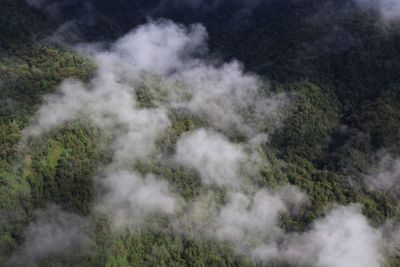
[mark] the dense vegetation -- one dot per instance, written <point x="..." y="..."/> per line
<point x="342" y="75"/>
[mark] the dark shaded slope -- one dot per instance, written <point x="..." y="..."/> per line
<point x="20" y="23"/>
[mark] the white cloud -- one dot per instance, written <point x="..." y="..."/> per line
<point x="212" y="155"/>
<point x="36" y="3"/>
<point x="129" y="198"/>
<point x="245" y="220"/>
<point x="162" y="47"/>
<point x="385" y="176"/>
<point x="53" y="231"/>
<point x="343" y="238"/>
<point x="230" y="101"/>
<point x="389" y="9"/>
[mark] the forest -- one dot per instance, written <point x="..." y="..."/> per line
<point x="200" y="133"/>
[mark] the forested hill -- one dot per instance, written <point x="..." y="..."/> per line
<point x="130" y="134"/>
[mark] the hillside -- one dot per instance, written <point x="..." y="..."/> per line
<point x="199" y="133"/>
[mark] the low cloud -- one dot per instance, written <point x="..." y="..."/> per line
<point x="212" y="155"/>
<point x="389" y="9"/>
<point x="53" y="232"/>
<point x="162" y="48"/>
<point x="229" y="98"/>
<point x="343" y="238"/>
<point x="246" y="220"/>
<point x="36" y="3"/>
<point x="166" y="61"/>
<point x="385" y="176"/>
<point x="129" y="197"/>
<point x="163" y="58"/>
<point x="252" y="223"/>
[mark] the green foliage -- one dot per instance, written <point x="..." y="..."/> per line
<point x="57" y="168"/>
<point x="182" y="121"/>
<point x="341" y="70"/>
<point x="19" y="24"/>
<point x="154" y="246"/>
<point x="34" y="71"/>
<point x="62" y="164"/>
<point x="313" y="115"/>
<point x="379" y="119"/>
<point x="15" y="207"/>
<point x="186" y="182"/>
